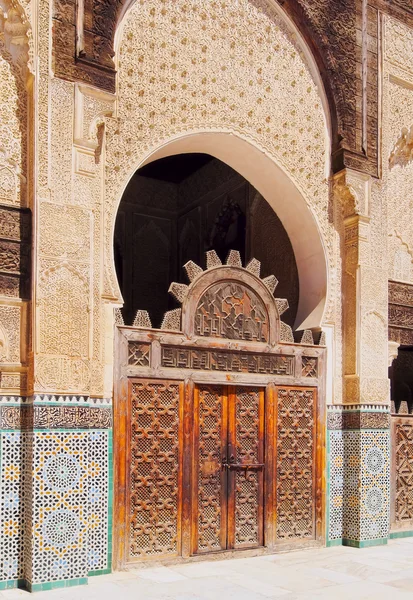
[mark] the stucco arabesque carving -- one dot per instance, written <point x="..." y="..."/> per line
<point x="176" y="87"/>
<point x="15" y="35"/>
<point x="92" y="109"/>
<point x="402" y="153"/>
<point x="365" y="378"/>
<point x="15" y="50"/>
<point x="393" y="350"/>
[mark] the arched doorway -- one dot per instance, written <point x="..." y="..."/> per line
<point x="176" y="209"/>
<point x="218" y="405"/>
<point x="304" y="231"/>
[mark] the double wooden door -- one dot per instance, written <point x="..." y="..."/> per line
<point x="211" y="468"/>
<point x="228" y="468"/>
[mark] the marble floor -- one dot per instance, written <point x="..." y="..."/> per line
<point x="330" y="573"/>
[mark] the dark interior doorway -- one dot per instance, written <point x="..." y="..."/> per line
<point x="401" y="381"/>
<point x="174" y="210"/>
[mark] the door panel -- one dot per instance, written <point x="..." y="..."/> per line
<point x="154" y="497"/>
<point x="210" y="485"/>
<point x="295" y="463"/>
<point x="229" y="478"/>
<point x="246" y="471"/>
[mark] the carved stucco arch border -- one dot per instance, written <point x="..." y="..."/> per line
<point x="310" y="231"/>
<point x="283" y="195"/>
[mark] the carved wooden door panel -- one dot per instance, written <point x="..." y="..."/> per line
<point x="228" y="468"/>
<point x="246" y="467"/>
<point x="296" y="454"/>
<point x="402" y="472"/>
<point x="209" y="477"/>
<point x="154" y="460"/>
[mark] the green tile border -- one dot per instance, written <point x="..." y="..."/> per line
<point x="332" y="543"/>
<point x="12" y="583"/>
<point x="38" y="587"/>
<point x="364" y="543"/>
<point x="394" y="535"/>
<point x="52" y="585"/>
<point x="100" y="572"/>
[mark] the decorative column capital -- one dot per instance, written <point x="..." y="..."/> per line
<point x="352" y="189"/>
<point x="393" y="351"/>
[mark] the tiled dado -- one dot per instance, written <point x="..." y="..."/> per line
<point x="55" y="493"/>
<point x="358" y="487"/>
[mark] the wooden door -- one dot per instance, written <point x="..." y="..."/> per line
<point x="228" y="468"/>
<point x="401" y="473"/>
<point x="154" y="457"/>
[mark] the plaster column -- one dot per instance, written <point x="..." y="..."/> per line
<point x="359" y="440"/>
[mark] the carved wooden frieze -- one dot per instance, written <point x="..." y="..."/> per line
<point x="400" y="293"/>
<point x="15" y="230"/>
<point x="401" y="316"/>
<point x="401" y="313"/>
<point x="233" y="311"/>
<point x="216" y="360"/>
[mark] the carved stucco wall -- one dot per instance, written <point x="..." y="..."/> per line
<point x="179" y="72"/>
<point x="70" y="322"/>
<point x="186" y="74"/>
<point x="398" y="147"/>
<point x="10" y="135"/>
<point x="15" y="77"/>
<point x="70" y="329"/>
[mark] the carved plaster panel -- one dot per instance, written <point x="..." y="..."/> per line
<point x="10" y="319"/>
<point x="185" y="74"/>
<point x="397" y="142"/>
<point x="62" y="374"/>
<point x="398" y="44"/>
<point x="71" y="241"/>
<point x="64" y="312"/>
<point x="91" y="108"/>
<point x="11" y="133"/>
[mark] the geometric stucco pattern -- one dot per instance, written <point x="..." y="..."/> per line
<point x="186" y="75"/>
<point x="180" y="82"/>
<point x="397" y="160"/>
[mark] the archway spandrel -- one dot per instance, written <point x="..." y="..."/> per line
<point x="186" y="75"/>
